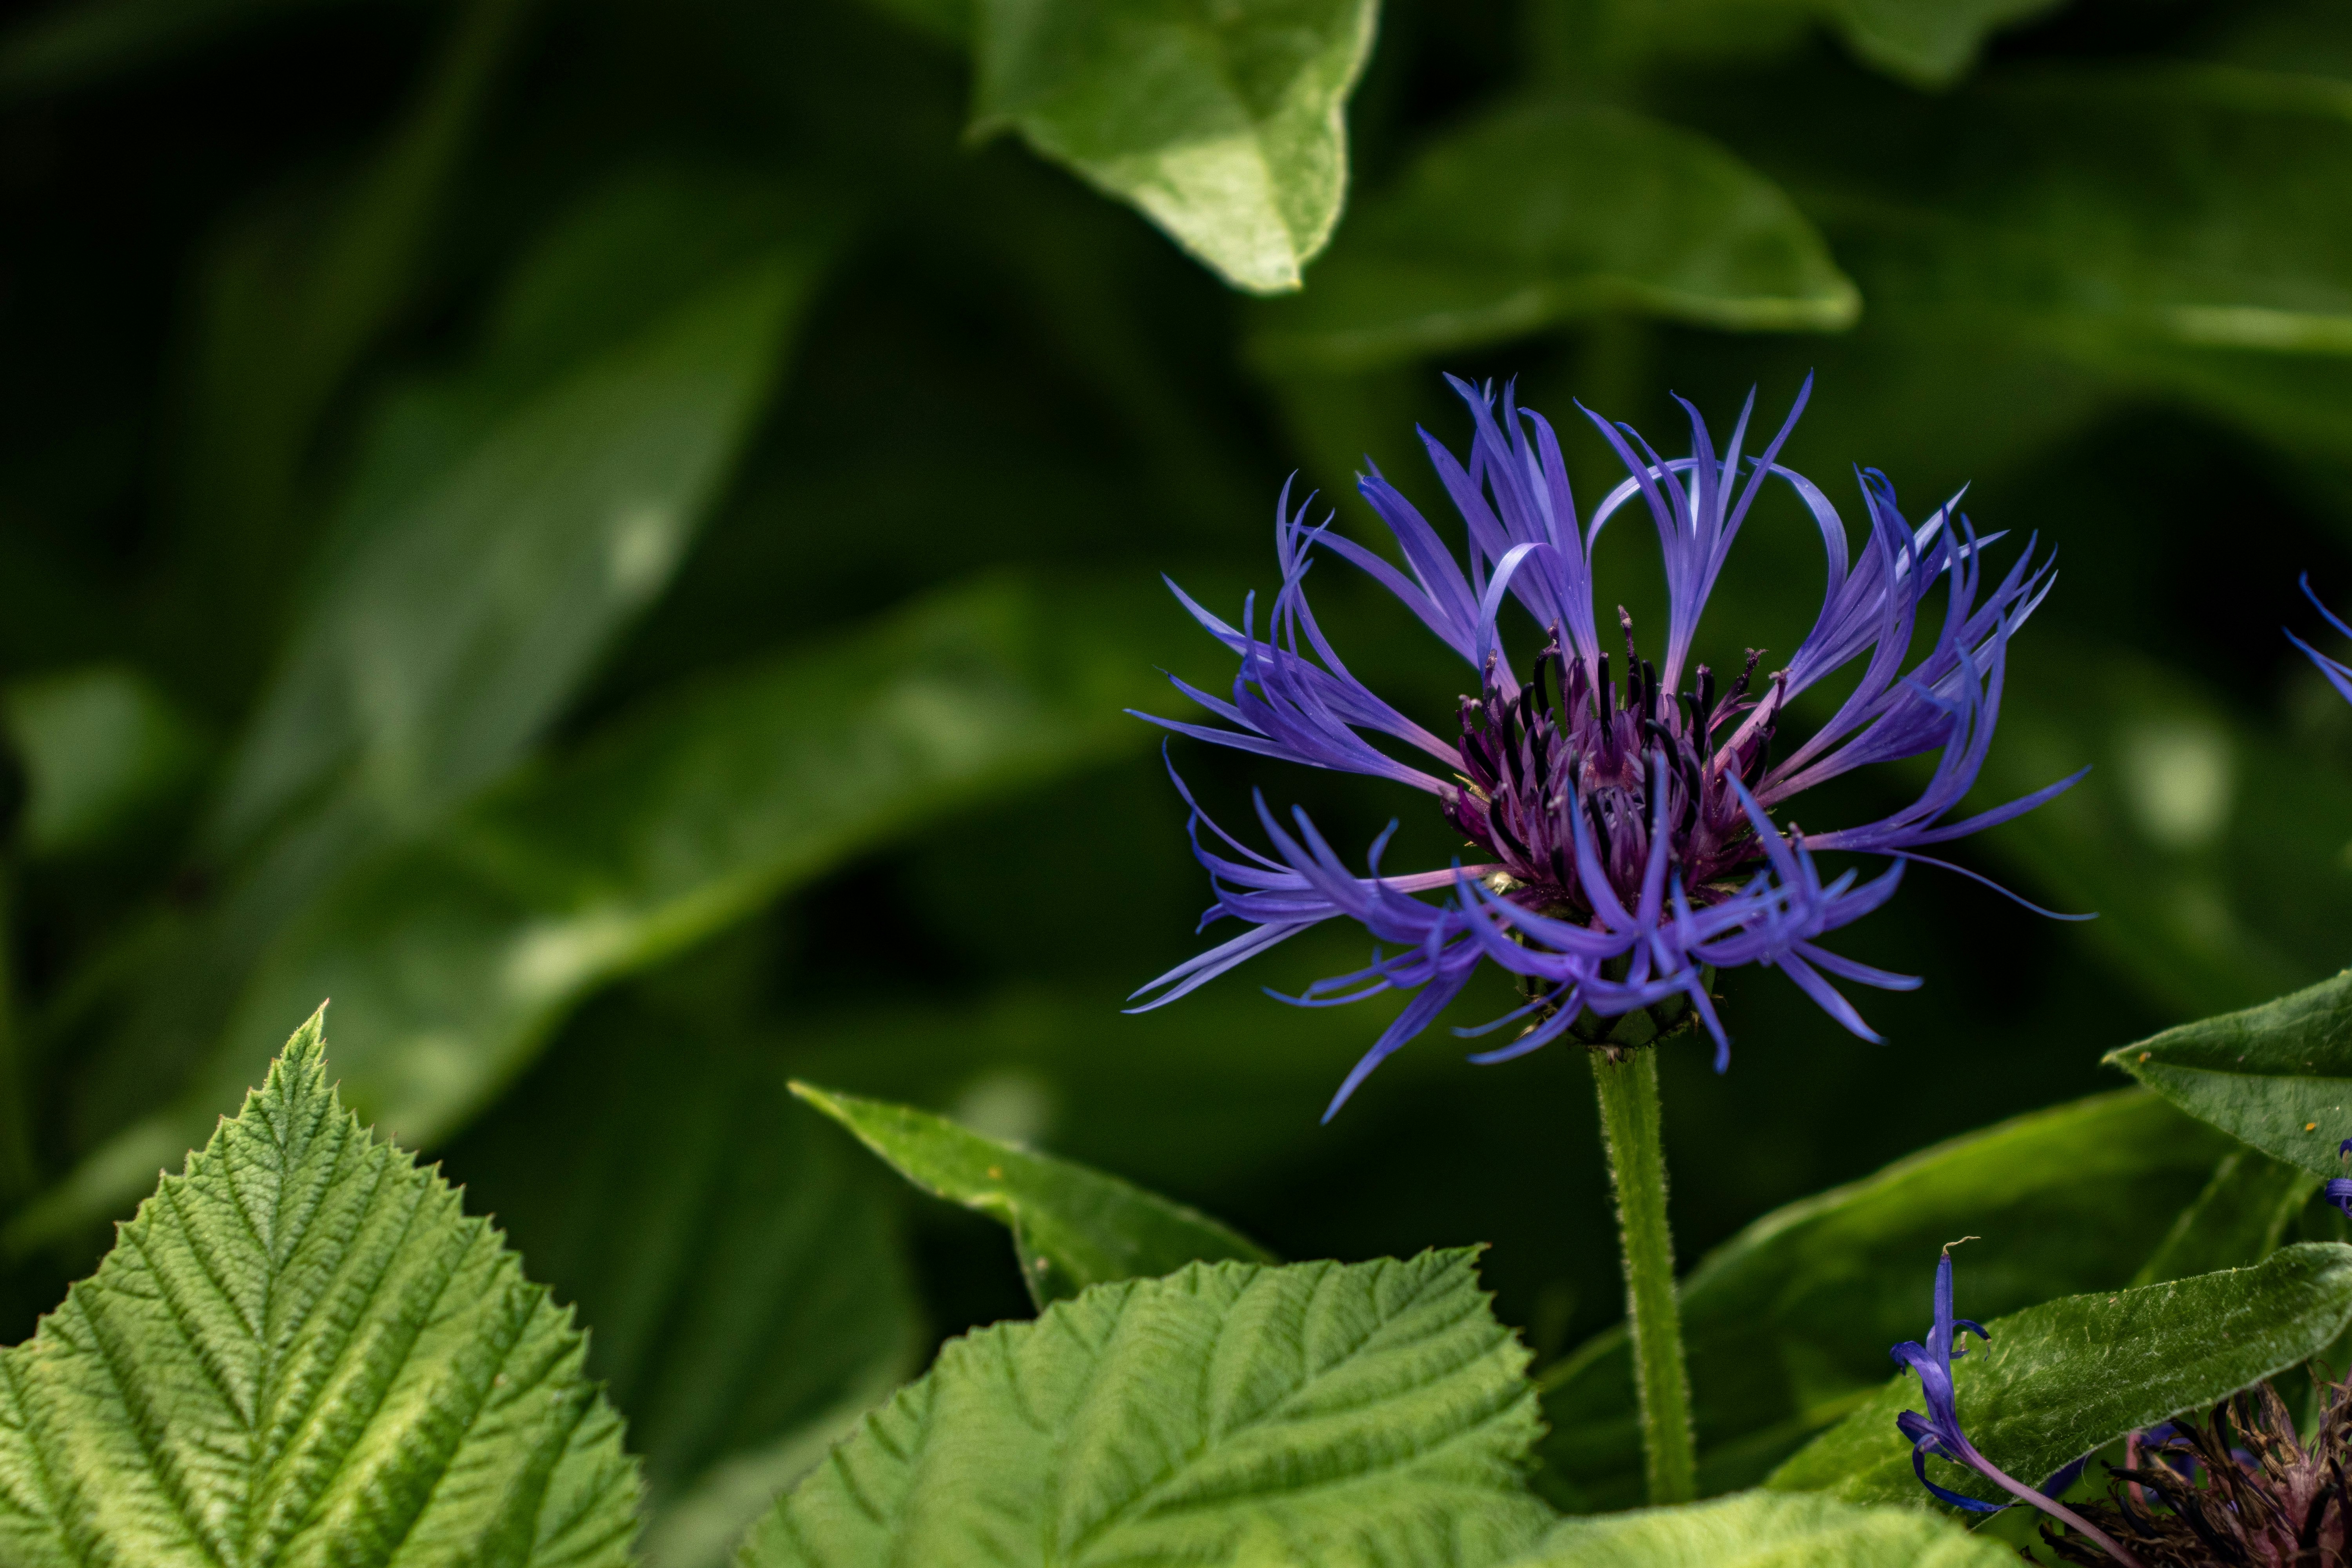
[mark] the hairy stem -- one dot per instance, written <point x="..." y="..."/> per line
<point x="1628" y="1086"/>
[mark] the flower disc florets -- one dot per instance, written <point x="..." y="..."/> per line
<point x="1622" y="821"/>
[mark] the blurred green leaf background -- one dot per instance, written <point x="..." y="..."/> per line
<point x="612" y="538"/>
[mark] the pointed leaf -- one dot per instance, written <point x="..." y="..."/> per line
<point x="2064" y="1378"/>
<point x="1072" y="1226"/>
<point x="2278" y="1075"/>
<point x="474" y="596"/>
<point x="303" y="1349"/>
<point x="1541" y="214"/>
<point x="1765" y="1529"/>
<point x="1787" y="1324"/>
<point x="1367" y="1413"/>
<point x="1223" y="124"/>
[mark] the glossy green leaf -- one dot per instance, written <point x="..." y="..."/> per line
<point x="2064" y="1378"/>
<point x="1765" y="1529"/>
<point x="453" y="957"/>
<point x="1223" y="124"/>
<point x="1072" y="1226"/>
<point x="100" y="747"/>
<point x="1787" y="1325"/>
<point x="1541" y="214"/>
<point x="2278" y="1075"/>
<point x="739" y="1263"/>
<point x="1368" y="1414"/>
<point x="303" y="1349"/>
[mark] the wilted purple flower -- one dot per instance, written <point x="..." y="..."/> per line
<point x="1938" y="1432"/>
<point x="2246" y="1486"/>
<point x="1622" y="830"/>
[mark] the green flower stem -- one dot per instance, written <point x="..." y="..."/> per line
<point x="1628" y="1086"/>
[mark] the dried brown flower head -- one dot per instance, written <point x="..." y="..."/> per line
<point x="2244" y="1489"/>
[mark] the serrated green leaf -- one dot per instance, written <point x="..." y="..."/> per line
<point x="1765" y="1529"/>
<point x="302" y="1349"/>
<point x="1541" y="213"/>
<point x="1367" y="1413"/>
<point x="742" y="1264"/>
<point x="1787" y="1324"/>
<point x="2278" y="1076"/>
<point x="2068" y="1376"/>
<point x="454" y="957"/>
<point x="1072" y="1226"/>
<point x="1223" y="124"/>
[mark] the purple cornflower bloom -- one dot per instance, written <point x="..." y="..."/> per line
<point x="1938" y="1432"/>
<point x="2338" y="675"/>
<point x="1622" y="835"/>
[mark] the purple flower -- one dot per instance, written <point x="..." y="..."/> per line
<point x="1620" y="821"/>
<point x="1938" y="1432"/>
<point x="2338" y="675"/>
<point x="2339" y="1188"/>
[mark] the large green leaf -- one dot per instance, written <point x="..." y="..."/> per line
<point x="2064" y="1378"/>
<point x="1367" y="1413"/>
<point x="2278" y="1075"/>
<point x="477" y="590"/>
<point x="453" y="957"/>
<point x="500" y="528"/>
<point x="1539" y="213"/>
<point x="1787" y="1324"/>
<point x="303" y="1350"/>
<point x="1223" y="124"/>
<point x="1765" y="1529"/>
<point x="288" y="300"/>
<point x="1072" y="1226"/>
<point x="741" y="1263"/>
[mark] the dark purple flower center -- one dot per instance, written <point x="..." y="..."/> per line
<point x="1570" y="743"/>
